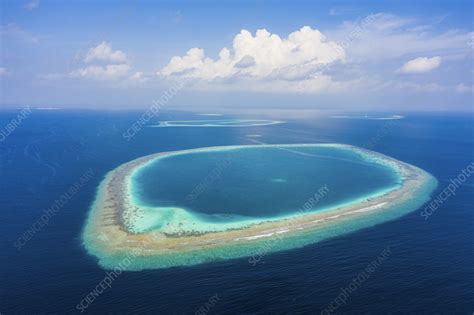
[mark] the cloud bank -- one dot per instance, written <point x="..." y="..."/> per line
<point x="261" y="57"/>
<point x="353" y="56"/>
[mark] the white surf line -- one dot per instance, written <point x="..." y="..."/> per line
<point x="370" y="208"/>
<point x="269" y="234"/>
<point x="254" y="237"/>
<point x="300" y="226"/>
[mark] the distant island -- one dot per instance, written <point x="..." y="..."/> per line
<point x="217" y="123"/>
<point x="208" y="204"/>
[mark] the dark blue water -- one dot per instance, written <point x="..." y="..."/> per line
<point x="261" y="181"/>
<point x="429" y="270"/>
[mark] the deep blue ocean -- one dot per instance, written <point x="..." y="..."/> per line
<point x="430" y="269"/>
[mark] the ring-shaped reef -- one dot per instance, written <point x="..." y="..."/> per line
<point x="208" y="204"/>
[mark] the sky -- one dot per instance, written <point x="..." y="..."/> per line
<point x="391" y="56"/>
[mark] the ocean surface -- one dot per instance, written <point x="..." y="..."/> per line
<point x="45" y="269"/>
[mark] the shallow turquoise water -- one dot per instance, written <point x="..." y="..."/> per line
<point x="259" y="181"/>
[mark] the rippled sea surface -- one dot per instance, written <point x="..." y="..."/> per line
<point x="45" y="269"/>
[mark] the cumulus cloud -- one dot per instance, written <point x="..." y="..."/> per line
<point x="421" y="65"/>
<point x="260" y="56"/>
<point x="103" y="63"/>
<point x="307" y="60"/>
<point x="104" y="52"/>
<point x="106" y="72"/>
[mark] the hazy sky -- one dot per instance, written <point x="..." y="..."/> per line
<point x="348" y="55"/>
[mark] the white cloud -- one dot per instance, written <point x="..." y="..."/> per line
<point x="388" y="36"/>
<point x="138" y="77"/>
<point x="107" y="72"/>
<point x="104" y="52"/>
<point x="33" y="4"/>
<point x="3" y="72"/>
<point x="421" y="65"/>
<point x="263" y="56"/>
<point x="353" y="56"/>
<point x="104" y="63"/>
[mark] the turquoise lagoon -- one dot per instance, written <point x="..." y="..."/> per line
<point x="222" y="188"/>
